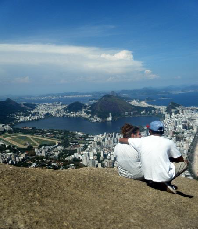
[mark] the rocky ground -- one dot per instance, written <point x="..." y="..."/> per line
<point x="91" y="198"/>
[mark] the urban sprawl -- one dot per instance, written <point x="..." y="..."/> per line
<point x="181" y="125"/>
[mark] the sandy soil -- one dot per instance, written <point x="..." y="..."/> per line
<point x="92" y="199"/>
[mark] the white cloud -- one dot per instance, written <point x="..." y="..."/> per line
<point x="147" y="72"/>
<point x="122" y="55"/>
<point x="24" y="80"/>
<point x="63" y="63"/>
<point x="149" y="75"/>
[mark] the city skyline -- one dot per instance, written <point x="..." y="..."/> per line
<point x="61" y="46"/>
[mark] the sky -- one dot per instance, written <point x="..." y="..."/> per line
<point x="56" y="46"/>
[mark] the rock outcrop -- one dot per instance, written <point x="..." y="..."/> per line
<point x="91" y="198"/>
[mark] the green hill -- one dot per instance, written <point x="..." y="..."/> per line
<point x="75" y="107"/>
<point x="114" y="105"/>
<point x="172" y="106"/>
<point x="9" y="107"/>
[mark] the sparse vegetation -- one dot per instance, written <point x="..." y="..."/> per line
<point x="75" y="107"/>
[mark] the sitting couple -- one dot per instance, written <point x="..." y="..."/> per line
<point x="154" y="158"/>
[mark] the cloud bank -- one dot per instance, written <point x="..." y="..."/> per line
<point x="23" y="80"/>
<point x="150" y="75"/>
<point x="49" y="64"/>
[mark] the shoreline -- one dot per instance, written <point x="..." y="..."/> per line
<point x="13" y="124"/>
<point x="83" y="125"/>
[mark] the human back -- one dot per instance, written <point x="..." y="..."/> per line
<point x="161" y="160"/>
<point x="128" y="158"/>
<point x="155" y="152"/>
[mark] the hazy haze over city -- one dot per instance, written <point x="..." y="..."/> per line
<point x="59" y="46"/>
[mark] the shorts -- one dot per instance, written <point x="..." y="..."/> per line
<point x="124" y="173"/>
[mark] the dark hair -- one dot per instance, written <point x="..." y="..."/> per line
<point x="152" y="132"/>
<point x="128" y="129"/>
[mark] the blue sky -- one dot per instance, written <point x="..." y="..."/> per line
<point x="53" y="46"/>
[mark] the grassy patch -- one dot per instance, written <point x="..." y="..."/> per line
<point x="6" y="142"/>
<point x="23" y="140"/>
<point x="44" y="141"/>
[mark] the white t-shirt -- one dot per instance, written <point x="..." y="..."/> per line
<point x="155" y="152"/>
<point x="129" y="160"/>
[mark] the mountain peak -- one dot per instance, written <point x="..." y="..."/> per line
<point x="9" y="107"/>
<point x="111" y="104"/>
<point x="75" y="106"/>
<point x="115" y="105"/>
<point x="8" y="100"/>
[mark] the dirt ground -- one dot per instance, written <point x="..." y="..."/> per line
<point x="93" y="199"/>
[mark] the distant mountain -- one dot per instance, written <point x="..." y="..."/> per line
<point x="28" y="105"/>
<point x="114" y="105"/>
<point x="182" y="88"/>
<point x="84" y="97"/>
<point x="143" y="93"/>
<point x="9" y="107"/>
<point x="172" y="106"/>
<point x="156" y="92"/>
<point x="75" y="107"/>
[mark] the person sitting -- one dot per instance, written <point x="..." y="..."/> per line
<point x="161" y="160"/>
<point x="128" y="159"/>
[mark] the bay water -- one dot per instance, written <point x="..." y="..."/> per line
<point x="83" y="125"/>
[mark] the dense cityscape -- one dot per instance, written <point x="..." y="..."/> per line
<point x="98" y="114"/>
<point x="81" y="149"/>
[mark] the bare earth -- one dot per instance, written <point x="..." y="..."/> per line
<point x="91" y="198"/>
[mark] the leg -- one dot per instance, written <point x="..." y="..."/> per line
<point x="180" y="167"/>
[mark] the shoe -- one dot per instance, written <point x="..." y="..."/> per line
<point x="174" y="186"/>
<point x="170" y="188"/>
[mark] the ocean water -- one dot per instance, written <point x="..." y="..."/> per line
<point x="83" y="125"/>
<point x="184" y="99"/>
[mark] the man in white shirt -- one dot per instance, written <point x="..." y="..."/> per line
<point x="161" y="160"/>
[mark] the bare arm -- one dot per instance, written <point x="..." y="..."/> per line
<point x="178" y="159"/>
<point x="124" y="140"/>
